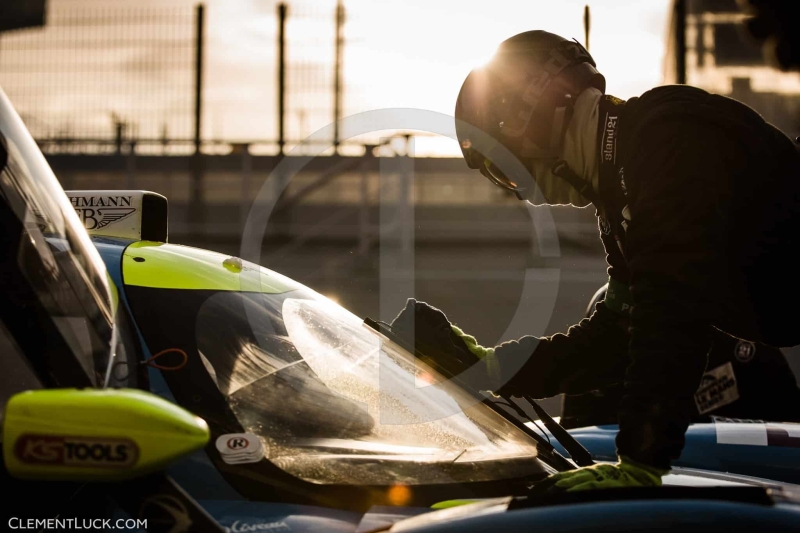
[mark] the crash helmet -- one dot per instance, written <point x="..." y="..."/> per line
<point x="520" y="103"/>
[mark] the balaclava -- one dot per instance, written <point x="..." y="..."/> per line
<point x="579" y="152"/>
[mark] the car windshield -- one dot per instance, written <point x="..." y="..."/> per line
<point x="331" y="400"/>
<point x="57" y="302"/>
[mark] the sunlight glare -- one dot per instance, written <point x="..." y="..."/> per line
<point x="484" y="52"/>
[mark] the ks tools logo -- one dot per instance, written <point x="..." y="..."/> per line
<point x="76" y="451"/>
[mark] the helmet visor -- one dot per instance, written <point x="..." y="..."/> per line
<point x="497" y="176"/>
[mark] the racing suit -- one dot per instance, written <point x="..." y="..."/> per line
<point x="699" y="213"/>
<point x="743" y="380"/>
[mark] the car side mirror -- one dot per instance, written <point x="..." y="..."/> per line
<point x="95" y="434"/>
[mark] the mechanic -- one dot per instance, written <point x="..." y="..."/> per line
<point x="697" y="199"/>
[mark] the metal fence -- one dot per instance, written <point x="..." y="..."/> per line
<point x="314" y="78"/>
<point x="98" y="80"/>
<point x="104" y="74"/>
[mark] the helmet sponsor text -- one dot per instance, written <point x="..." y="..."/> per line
<point x="610" y="138"/>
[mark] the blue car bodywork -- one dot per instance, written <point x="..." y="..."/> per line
<point x="751" y="448"/>
<point x="585" y="511"/>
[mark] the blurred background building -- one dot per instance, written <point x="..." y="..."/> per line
<point x="709" y="47"/>
<point x="202" y="102"/>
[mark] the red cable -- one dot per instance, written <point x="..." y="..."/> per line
<point x="151" y="361"/>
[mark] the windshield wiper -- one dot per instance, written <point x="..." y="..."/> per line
<point x="578" y="453"/>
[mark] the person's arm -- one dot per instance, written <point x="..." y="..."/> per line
<point x="675" y="248"/>
<point x="590" y="355"/>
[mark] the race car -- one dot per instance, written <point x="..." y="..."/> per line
<point x="318" y="420"/>
<point x="318" y="417"/>
<point x="74" y="400"/>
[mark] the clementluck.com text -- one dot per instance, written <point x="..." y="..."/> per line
<point x="37" y="524"/>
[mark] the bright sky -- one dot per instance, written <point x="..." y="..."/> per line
<point x="421" y="50"/>
<point x="414" y="53"/>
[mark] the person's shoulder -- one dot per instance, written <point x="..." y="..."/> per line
<point x="672" y="96"/>
<point x="660" y="114"/>
<point x="682" y="110"/>
<point x="675" y="91"/>
<point x="670" y="101"/>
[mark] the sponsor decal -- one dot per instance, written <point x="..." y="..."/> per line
<point x="100" y="218"/>
<point x="717" y="388"/>
<point x="757" y="433"/>
<point x="746" y="434"/>
<point x="609" y="142"/>
<point x="744" y="351"/>
<point x="240" y="448"/>
<point x="97" y="212"/>
<point x="101" y="201"/>
<point x="783" y="436"/>
<point x="244" y="527"/>
<point x="618" y="297"/>
<point x="74" y="451"/>
<point x="237" y="443"/>
<point x="614" y="100"/>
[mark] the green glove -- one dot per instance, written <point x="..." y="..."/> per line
<point x="483" y="353"/>
<point x="626" y="473"/>
<point x="428" y="330"/>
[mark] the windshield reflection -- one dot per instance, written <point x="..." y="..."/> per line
<point x="51" y="266"/>
<point x="336" y="403"/>
<point x="357" y="364"/>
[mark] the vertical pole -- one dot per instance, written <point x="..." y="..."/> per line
<point x="680" y="41"/>
<point x="247" y="184"/>
<point x="587" y="25"/>
<point x="130" y="166"/>
<point x="363" y="213"/>
<point x="196" y="207"/>
<point x="119" y="134"/>
<point x="337" y="74"/>
<point x="198" y="75"/>
<point x="281" y="77"/>
<point x="406" y="207"/>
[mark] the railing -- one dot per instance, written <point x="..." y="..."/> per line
<point x="95" y="80"/>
